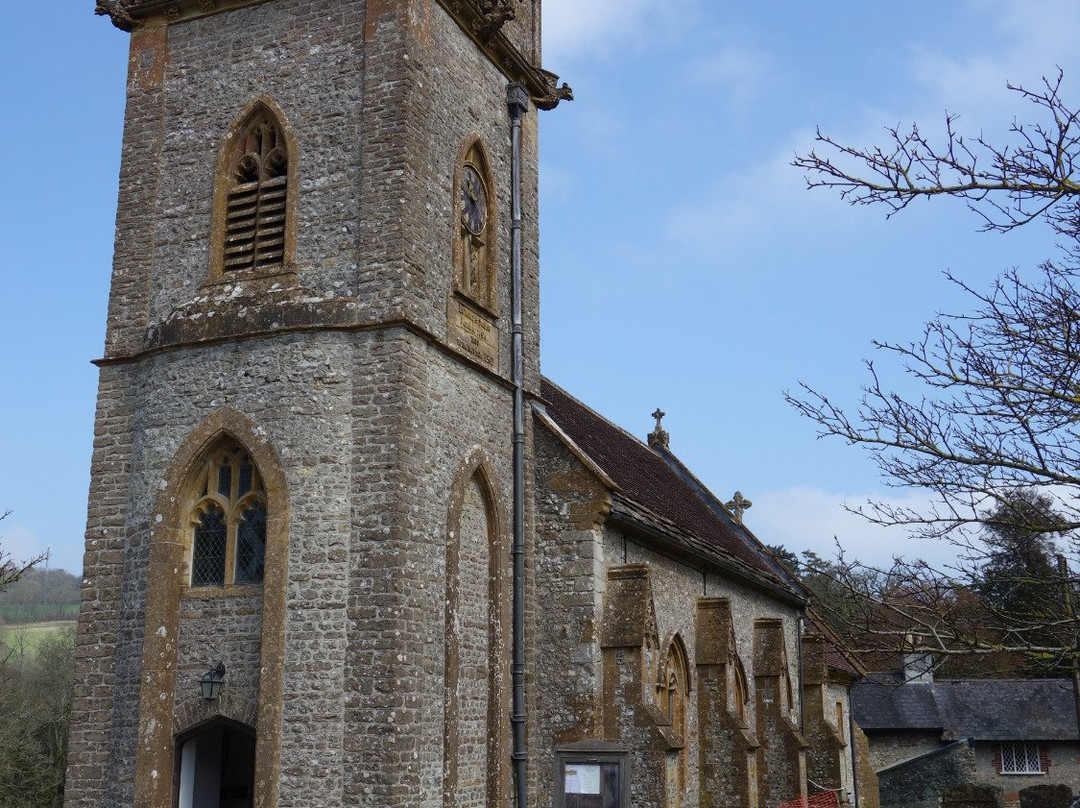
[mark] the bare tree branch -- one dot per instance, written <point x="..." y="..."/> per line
<point x="11" y="570"/>
<point x="1006" y="186"/>
<point x="993" y="434"/>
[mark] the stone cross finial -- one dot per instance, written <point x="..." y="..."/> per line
<point x="658" y="437"/>
<point x="737" y="505"/>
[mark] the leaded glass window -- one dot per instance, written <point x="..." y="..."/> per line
<point x="228" y="520"/>
<point x="1020" y="757"/>
<point x="208" y="548"/>
<point x="251" y="544"/>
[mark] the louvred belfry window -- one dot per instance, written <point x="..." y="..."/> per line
<point x="255" y="205"/>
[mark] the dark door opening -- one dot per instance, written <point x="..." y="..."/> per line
<point x="217" y="767"/>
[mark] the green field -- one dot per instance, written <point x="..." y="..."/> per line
<point x="26" y="637"/>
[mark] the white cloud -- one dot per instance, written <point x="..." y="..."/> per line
<point x="1035" y="38"/>
<point x="576" y="28"/>
<point x="572" y="27"/>
<point x="737" y="72"/>
<point x="806" y="518"/>
<point x="556" y="182"/>
<point x="18" y="543"/>
<point x="1043" y="32"/>
<point x="745" y="206"/>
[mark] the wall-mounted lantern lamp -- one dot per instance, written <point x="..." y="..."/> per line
<point x="211" y="681"/>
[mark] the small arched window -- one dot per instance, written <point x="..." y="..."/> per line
<point x="227" y="519"/>
<point x="674" y="688"/>
<point x="252" y="210"/>
<point x="740" y="692"/>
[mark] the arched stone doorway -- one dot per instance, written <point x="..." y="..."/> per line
<point x="216" y="766"/>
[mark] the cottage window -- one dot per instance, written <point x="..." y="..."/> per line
<point x="1021" y="757"/>
<point x="227" y="520"/>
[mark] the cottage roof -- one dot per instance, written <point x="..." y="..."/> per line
<point x="653" y="490"/>
<point x="837" y="659"/>
<point x="982" y="709"/>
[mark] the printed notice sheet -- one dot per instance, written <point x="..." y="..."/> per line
<point x="582" y="779"/>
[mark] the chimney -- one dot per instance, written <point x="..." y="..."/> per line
<point x="918" y="668"/>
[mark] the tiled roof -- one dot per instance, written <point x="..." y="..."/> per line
<point x="650" y="491"/>
<point x="835" y="657"/>
<point x="982" y="709"/>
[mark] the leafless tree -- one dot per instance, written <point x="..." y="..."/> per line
<point x="1029" y="177"/>
<point x="10" y="570"/>
<point x="999" y="410"/>
<point x="997" y="415"/>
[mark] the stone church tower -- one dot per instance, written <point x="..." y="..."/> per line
<point x="303" y="464"/>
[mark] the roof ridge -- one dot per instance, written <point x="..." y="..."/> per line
<point x="656" y="487"/>
<point x="744" y="533"/>
<point x="599" y="415"/>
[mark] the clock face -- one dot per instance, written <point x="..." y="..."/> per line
<point x="473" y="201"/>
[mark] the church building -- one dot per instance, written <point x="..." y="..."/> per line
<point x="345" y="545"/>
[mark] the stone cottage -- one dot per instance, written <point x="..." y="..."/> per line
<point x="926" y="735"/>
<point x="345" y="545"/>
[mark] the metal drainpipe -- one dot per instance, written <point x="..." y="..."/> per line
<point x="517" y="101"/>
<point x="802" y="691"/>
<point x="854" y="757"/>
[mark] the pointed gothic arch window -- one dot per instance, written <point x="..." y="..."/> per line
<point x="255" y="184"/>
<point x="674" y="686"/>
<point x="227" y="519"/>
<point x="476" y="718"/>
<point x="474" y="229"/>
<point x="740" y="691"/>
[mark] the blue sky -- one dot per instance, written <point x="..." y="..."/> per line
<point x="684" y="264"/>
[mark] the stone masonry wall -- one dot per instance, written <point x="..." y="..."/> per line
<point x="99" y="633"/>
<point x="837" y="691"/>
<point x="570" y="505"/>
<point x="921" y="784"/>
<point x="888" y="749"/>
<point x="398" y="601"/>
<point x="727" y="745"/>
<point x="308" y="57"/>
<point x="866" y="779"/>
<point x="1061" y="759"/>
<point x="455" y="92"/>
<point x="370" y="425"/>
<point x="582" y="683"/>
<point x="782" y="754"/>
<point x="825" y="728"/>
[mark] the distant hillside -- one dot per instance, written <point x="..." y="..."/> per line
<point x="40" y="595"/>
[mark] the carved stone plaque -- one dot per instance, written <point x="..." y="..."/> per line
<point x="474" y="333"/>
